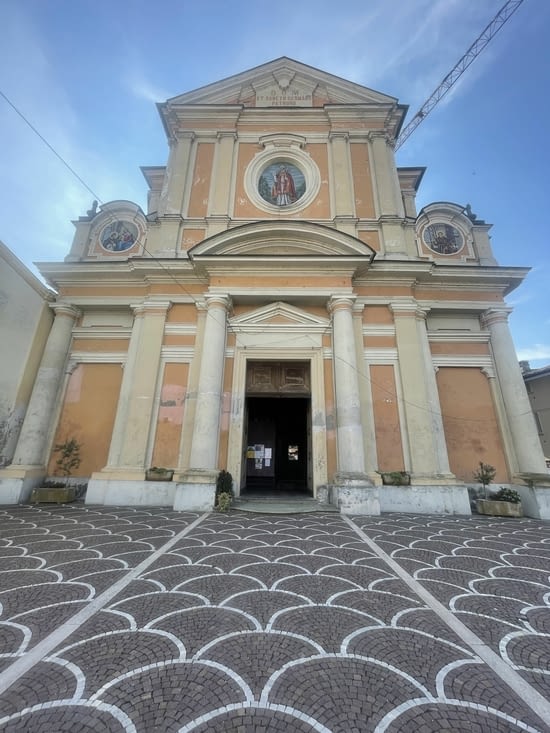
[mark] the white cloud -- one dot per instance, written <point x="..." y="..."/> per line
<point x="537" y="352"/>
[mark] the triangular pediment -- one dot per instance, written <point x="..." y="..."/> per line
<point x="282" y="82"/>
<point x="277" y="314"/>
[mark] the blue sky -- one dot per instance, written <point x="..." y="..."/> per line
<point x="87" y="74"/>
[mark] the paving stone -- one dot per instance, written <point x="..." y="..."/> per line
<point x="269" y="623"/>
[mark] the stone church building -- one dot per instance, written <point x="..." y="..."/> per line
<point x="281" y="311"/>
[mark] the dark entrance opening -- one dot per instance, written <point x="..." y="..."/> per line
<point x="277" y="445"/>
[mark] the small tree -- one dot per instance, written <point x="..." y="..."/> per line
<point x="485" y="475"/>
<point x="69" y="458"/>
<point x="224" y="483"/>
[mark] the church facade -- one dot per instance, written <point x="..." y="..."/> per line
<point x="281" y="311"/>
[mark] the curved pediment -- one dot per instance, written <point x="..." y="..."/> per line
<point x="282" y="239"/>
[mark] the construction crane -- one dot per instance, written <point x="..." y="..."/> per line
<point x="456" y="72"/>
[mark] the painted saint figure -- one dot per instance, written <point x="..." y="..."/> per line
<point x="283" y="191"/>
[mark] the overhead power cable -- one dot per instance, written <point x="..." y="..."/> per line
<point x="54" y="151"/>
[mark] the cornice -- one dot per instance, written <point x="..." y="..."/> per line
<point x="101" y="332"/>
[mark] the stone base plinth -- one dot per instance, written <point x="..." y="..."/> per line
<point x="118" y="492"/>
<point x="354" y="494"/>
<point x="195" y="491"/>
<point x="18" y="482"/>
<point x="425" y="499"/>
<point x="535" y="500"/>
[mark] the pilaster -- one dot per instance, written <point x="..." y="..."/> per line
<point x="386" y="182"/>
<point x="428" y="452"/>
<point x="133" y="421"/>
<point x="218" y="200"/>
<point x="341" y="175"/>
<point x="173" y="192"/>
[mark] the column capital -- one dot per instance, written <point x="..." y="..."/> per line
<point x="338" y="135"/>
<point x="217" y="300"/>
<point x="495" y="315"/>
<point x="66" y="309"/>
<point x="224" y="134"/>
<point x="341" y="302"/>
<point x="408" y="309"/>
<point x="373" y="135"/>
<point x="152" y="308"/>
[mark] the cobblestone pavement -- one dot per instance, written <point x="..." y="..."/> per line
<point x="115" y="619"/>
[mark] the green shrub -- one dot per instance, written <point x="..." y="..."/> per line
<point x="485" y="474"/>
<point x="69" y="456"/>
<point x="223" y="501"/>
<point x="503" y="494"/>
<point x="224" y="483"/>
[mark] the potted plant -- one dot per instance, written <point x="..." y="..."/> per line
<point x="159" y="473"/>
<point x="503" y="503"/>
<point x="395" y="478"/>
<point x="60" y="491"/>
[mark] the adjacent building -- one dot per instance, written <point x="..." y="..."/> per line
<point x="282" y="311"/>
<point x="537" y="382"/>
<point x="25" y="321"/>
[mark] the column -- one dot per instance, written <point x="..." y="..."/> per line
<point x="516" y="402"/>
<point x="33" y="443"/>
<point x="204" y="445"/>
<point x="341" y="175"/>
<point x="365" y="394"/>
<point x="134" y="418"/>
<point x="385" y="172"/>
<point x="349" y="430"/>
<point x="428" y="450"/>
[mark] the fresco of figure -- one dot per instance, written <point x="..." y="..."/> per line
<point x="283" y="190"/>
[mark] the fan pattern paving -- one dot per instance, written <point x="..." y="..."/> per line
<point x="266" y="623"/>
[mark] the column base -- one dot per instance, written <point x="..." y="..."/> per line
<point x="195" y="490"/>
<point x="356" y="494"/>
<point x="535" y="494"/>
<point x="18" y="482"/>
<point x="433" y="479"/>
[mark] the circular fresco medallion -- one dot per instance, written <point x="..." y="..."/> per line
<point x="119" y="236"/>
<point x="443" y="239"/>
<point x="281" y="184"/>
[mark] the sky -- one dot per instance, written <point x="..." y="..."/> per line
<point x="87" y="74"/>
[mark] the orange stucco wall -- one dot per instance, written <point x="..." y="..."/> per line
<point x="89" y="385"/>
<point x="364" y="200"/>
<point x="100" y="345"/>
<point x="469" y="420"/>
<point x="389" y="448"/>
<point x="377" y="314"/>
<point x="182" y="313"/>
<point x="456" y="347"/>
<point x="170" y="415"/>
<point x="200" y="188"/>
